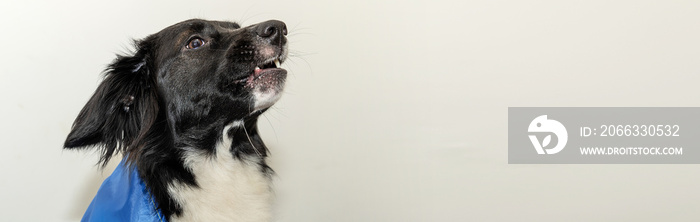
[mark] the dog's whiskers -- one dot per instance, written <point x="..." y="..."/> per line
<point x="251" y="141"/>
<point x="273" y="129"/>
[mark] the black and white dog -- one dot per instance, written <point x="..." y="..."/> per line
<point x="183" y="109"/>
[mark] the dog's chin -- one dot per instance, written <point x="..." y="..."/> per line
<point x="266" y="87"/>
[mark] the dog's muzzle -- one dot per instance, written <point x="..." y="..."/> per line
<point x="267" y="78"/>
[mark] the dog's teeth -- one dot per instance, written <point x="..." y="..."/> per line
<point x="257" y="68"/>
<point x="277" y="63"/>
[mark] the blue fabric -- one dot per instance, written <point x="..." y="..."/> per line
<point x="123" y="197"/>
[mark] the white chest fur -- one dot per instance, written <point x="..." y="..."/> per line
<point x="229" y="189"/>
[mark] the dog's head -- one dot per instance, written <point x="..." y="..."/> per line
<point x="185" y="84"/>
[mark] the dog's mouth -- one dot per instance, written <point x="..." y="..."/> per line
<point x="273" y="64"/>
<point x="263" y="70"/>
<point x="266" y="83"/>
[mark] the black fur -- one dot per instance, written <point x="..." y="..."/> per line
<point x="167" y="96"/>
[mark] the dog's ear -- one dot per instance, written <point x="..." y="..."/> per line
<point x="121" y="110"/>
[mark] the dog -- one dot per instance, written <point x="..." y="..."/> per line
<point x="182" y="109"/>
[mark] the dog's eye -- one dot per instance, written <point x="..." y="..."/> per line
<point x="195" y="43"/>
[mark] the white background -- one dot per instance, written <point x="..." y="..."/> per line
<point x="394" y="110"/>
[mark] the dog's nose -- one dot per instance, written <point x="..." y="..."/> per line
<point x="272" y="29"/>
